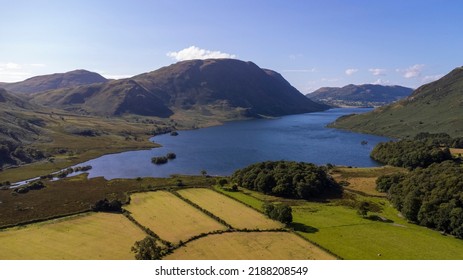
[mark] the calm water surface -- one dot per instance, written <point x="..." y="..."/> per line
<point x="222" y="149"/>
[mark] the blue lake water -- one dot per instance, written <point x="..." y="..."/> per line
<point x="222" y="149"/>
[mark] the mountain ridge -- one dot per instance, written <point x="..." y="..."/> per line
<point x="434" y="107"/>
<point x="206" y="86"/>
<point x="54" y="81"/>
<point x="365" y="95"/>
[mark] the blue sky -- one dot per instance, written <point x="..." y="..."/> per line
<point x="311" y="43"/>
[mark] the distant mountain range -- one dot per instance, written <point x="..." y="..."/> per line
<point x="367" y="95"/>
<point x="54" y="81"/>
<point x="434" y="107"/>
<point x="208" y="87"/>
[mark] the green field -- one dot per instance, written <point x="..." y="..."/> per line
<point x="342" y="231"/>
<point x="88" y="236"/>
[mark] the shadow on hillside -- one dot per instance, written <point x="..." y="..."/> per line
<point x="303" y="228"/>
<point x="379" y="219"/>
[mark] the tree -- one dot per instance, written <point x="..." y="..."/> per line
<point x="363" y="209"/>
<point x="287" y="179"/>
<point x="222" y="182"/>
<point x="280" y="212"/>
<point x="203" y="172"/>
<point x="147" y="249"/>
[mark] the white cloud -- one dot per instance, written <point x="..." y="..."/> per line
<point x="14" y="72"/>
<point x="412" y="71"/>
<point x="312" y="70"/>
<point x="194" y="52"/>
<point x="295" y="56"/>
<point x="10" y="65"/>
<point x="116" y="77"/>
<point x="432" y="78"/>
<point x="351" y="71"/>
<point x="377" y="71"/>
<point x="38" y="65"/>
<point x="381" y="82"/>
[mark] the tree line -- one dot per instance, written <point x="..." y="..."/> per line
<point x="286" y="179"/>
<point x="410" y="153"/>
<point x="432" y="196"/>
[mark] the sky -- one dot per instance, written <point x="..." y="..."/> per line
<point x="312" y="44"/>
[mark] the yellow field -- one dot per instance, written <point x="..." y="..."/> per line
<point x="89" y="236"/>
<point x="234" y="213"/>
<point x="170" y="217"/>
<point x="363" y="179"/>
<point x="250" y="246"/>
<point x="456" y="152"/>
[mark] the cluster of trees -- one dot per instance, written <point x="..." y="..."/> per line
<point x="38" y="185"/>
<point x="286" y="179"/>
<point x="410" y="153"/>
<point x="432" y="196"/>
<point x="64" y="173"/>
<point x="163" y="159"/>
<point x="280" y="212"/>
<point x="147" y="249"/>
<point x="105" y="205"/>
<point x="15" y="154"/>
<point x="440" y="139"/>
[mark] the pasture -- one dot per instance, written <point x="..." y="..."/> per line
<point x="341" y="230"/>
<point x="250" y="246"/>
<point x="336" y="226"/>
<point x="234" y="213"/>
<point x="169" y="217"/>
<point x="86" y="236"/>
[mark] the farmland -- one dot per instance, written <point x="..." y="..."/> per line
<point x="170" y="217"/>
<point x="250" y="245"/>
<point x="85" y="236"/>
<point x="336" y="225"/>
<point x="236" y="214"/>
<point x="211" y="223"/>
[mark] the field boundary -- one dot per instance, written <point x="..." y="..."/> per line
<point x="218" y="219"/>
<point x="317" y="245"/>
<point x="219" y="232"/>
<point x="285" y="229"/>
<point x="46" y="219"/>
<point x="235" y="199"/>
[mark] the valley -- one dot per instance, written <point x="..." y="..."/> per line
<point x="48" y="126"/>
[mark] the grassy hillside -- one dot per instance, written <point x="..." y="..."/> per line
<point x="435" y="107"/>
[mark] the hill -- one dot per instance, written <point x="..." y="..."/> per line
<point x="16" y="129"/>
<point x="111" y="98"/>
<point x="13" y="126"/>
<point x="225" y="88"/>
<point x="54" y="81"/>
<point x="367" y="95"/>
<point x="435" y="107"/>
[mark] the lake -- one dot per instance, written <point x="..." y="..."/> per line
<point x="222" y="149"/>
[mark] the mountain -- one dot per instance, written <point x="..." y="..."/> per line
<point x="434" y="107"/>
<point x="367" y="95"/>
<point x="14" y="127"/>
<point x="54" y="81"/>
<point x="206" y="87"/>
<point x="111" y="98"/>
